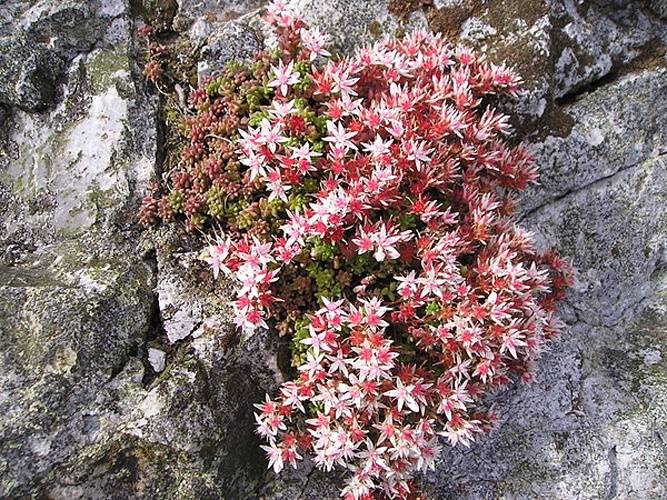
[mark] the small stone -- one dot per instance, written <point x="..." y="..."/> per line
<point x="476" y="29"/>
<point x="441" y="4"/>
<point x="234" y="42"/>
<point x="157" y="359"/>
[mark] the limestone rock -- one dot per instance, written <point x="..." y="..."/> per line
<point x="45" y="37"/>
<point x="76" y="301"/>
<point x="189" y="302"/>
<point x="216" y="10"/>
<point x="351" y="27"/>
<point x="71" y="319"/>
<point x="602" y="139"/>
<point x="81" y="166"/>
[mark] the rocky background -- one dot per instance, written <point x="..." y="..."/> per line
<point x="120" y="376"/>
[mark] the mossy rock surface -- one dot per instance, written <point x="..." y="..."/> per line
<point x="71" y="322"/>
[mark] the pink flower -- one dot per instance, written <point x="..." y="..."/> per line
<point x="315" y="41"/>
<point x="285" y="77"/>
<point x="304" y="158"/>
<point x="403" y="396"/>
<point x="378" y="148"/>
<point x="269" y="135"/>
<point x="343" y="83"/>
<point x="339" y="363"/>
<point x="513" y="340"/>
<point x="373" y="312"/>
<point x="381" y="242"/>
<point x="275" y="457"/>
<point x="217" y="254"/>
<point x="385" y="242"/>
<point x="251" y="318"/>
<point x="313" y="365"/>
<point x="431" y="283"/>
<point x="257" y="164"/>
<point x="418" y="152"/>
<point x="281" y="109"/>
<point x="408" y="285"/>
<point x="372" y="459"/>
<point x="364" y="242"/>
<point x="317" y="341"/>
<point x="275" y="185"/>
<point x="296" y="229"/>
<point x="291" y="397"/>
<point x="339" y="137"/>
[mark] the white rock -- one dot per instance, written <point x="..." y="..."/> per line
<point x="157" y="359"/>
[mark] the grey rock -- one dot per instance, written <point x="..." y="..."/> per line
<point x="593" y="40"/>
<point x="201" y="29"/>
<point x="34" y="55"/>
<point x="217" y="10"/>
<point x="37" y="80"/>
<point x="235" y="41"/>
<point x="81" y="166"/>
<point x="603" y="137"/>
<point x="185" y="308"/>
<point x="181" y="313"/>
<point x="71" y="320"/>
<point x="68" y="27"/>
<point x="559" y="47"/>
<point x="76" y="302"/>
<point x="476" y="30"/>
<point x="39" y="39"/>
<point x="189" y="303"/>
<point x="189" y="435"/>
<point x="351" y="27"/>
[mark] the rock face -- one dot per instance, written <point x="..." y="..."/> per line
<point x="37" y="45"/>
<point x="75" y="297"/>
<point x="592" y="424"/>
<point x="90" y="309"/>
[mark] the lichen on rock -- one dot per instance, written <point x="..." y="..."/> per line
<point x="47" y="37"/>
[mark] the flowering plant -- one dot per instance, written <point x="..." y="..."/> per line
<point x="365" y="210"/>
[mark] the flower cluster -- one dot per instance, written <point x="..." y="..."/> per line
<point x="365" y="204"/>
<point x="155" y="57"/>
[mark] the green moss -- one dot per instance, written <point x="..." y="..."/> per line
<point x="109" y="68"/>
